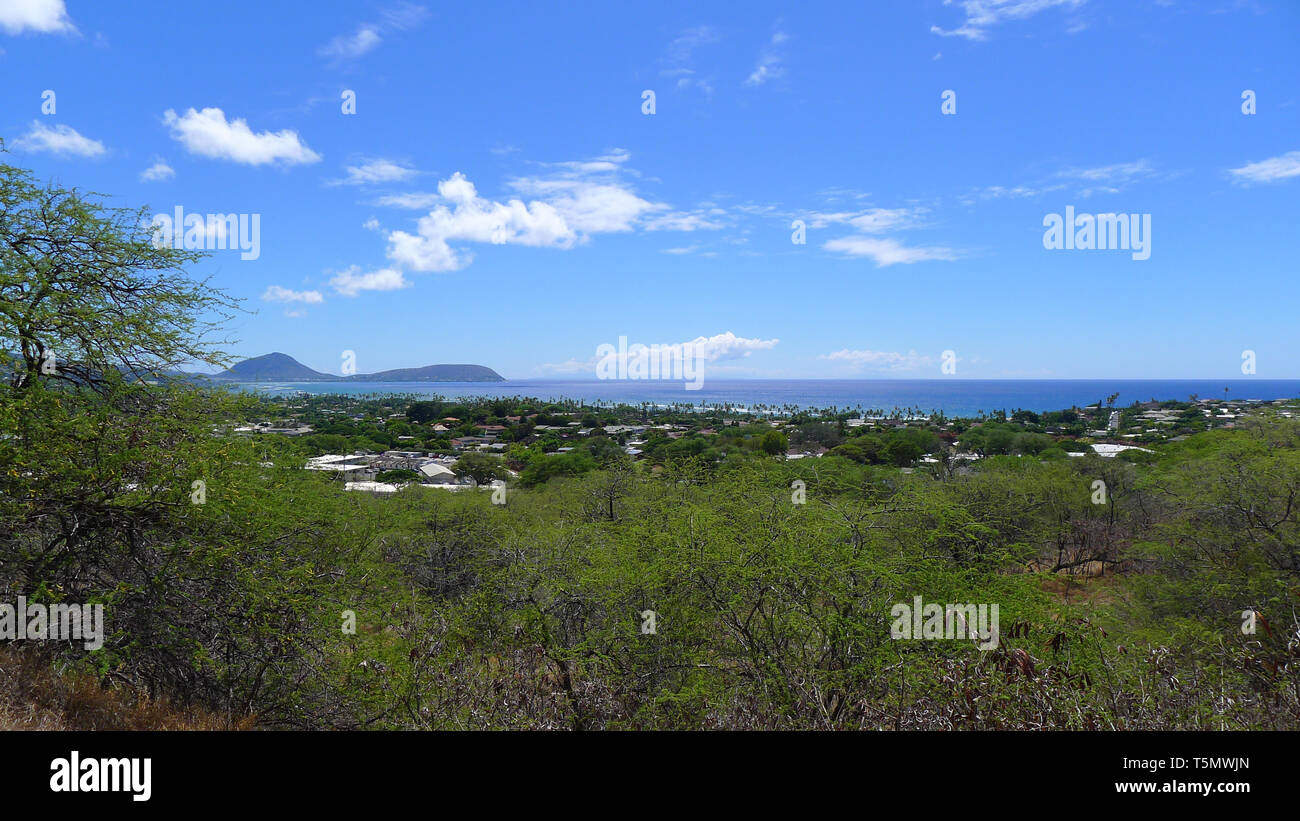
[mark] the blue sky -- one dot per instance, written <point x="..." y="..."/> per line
<point x="500" y="197"/>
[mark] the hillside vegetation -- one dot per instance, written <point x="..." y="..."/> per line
<point x="240" y="586"/>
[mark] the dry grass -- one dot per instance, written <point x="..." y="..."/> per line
<point x="35" y="696"/>
<point x="1090" y="590"/>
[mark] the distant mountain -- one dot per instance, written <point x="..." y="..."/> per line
<point x="432" y="373"/>
<point x="279" y="367"/>
<point x="273" y="367"/>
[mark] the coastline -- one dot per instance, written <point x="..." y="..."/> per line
<point x="952" y="397"/>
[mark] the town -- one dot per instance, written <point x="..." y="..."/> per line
<point x="381" y="444"/>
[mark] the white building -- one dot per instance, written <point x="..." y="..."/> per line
<point x="436" y="474"/>
<point x="1108" y="451"/>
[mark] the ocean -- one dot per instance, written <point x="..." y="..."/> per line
<point x="953" y="397"/>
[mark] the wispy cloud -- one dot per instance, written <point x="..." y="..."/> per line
<point x="1108" y="179"/>
<point x="157" y="172"/>
<point x="61" y="140"/>
<point x="373" y="172"/>
<point x="1273" y="169"/>
<point x="356" y="44"/>
<point x="208" y="134"/>
<point x="351" y="282"/>
<point x="982" y="15"/>
<point x="682" y="49"/>
<point x="415" y="201"/>
<point x="275" y="293"/>
<point x="885" y="251"/>
<point x="570" y="365"/>
<point x="879" y="360"/>
<point x="369" y="35"/>
<point x="770" y="62"/>
<point x="700" y="220"/>
<point x="869" y="224"/>
<point x="1016" y="192"/>
<point x="870" y="221"/>
<point x="680" y="62"/>
<point x="1104" y="179"/>
<point x="717" y="348"/>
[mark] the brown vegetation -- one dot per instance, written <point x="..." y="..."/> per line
<point x="36" y="696"/>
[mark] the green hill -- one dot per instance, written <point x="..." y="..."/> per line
<point x="279" y="367"/>
<point x="432" y="373"/>
<point x="273" y="367"/>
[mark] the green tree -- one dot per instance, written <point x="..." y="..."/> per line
<point x="773" y="443"/>
<point x="397" y="475"/>
<point x="86" y="297"/>
<point x="481" y="467"/>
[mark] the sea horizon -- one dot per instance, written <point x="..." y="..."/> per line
<point x="950" y="396"/>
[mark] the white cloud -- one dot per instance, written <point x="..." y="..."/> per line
<point x="1270" y="170"/>
<point x="686" y="81"/>
<point x="727" y="345"/>
<point x="871" y="221"/>
<point x="681" y="54"/>
<point x="61" y="140"/>
<point x="1108" y="179"/>
<point x="593" y="199"/>
<point x="475" y="219"/>
<point x="568" y="366"/>
<point x="879" y="220"/>
<point x="981" y="15"/>
<point x="997" y="192"/>
<point x="717" y="348"/>
<point x="879" y="360"/>
<point x="682" y="221"/>
<point x="605" y="163"/>
<point x="416" y="200"/>
<point x="1104" y="179"/>
<point x="885" y="251"/>
<point x="588" y="206"/>
<point x="768" y="68"/>
<point x="355" y="45"/>
<point x="157" y="172"/>
<point x="208" y="134"/>
<point x="44" y="16"/>
<point x="216" y="233"/>
<point x="350" y="282"/>
<point x="376" y="171"/>
<point x="769" y="63"/>
<point x="558" y="210"/>
<point x="689" y="249"/>
<point x="682" y="49"/>
<point x="1108" y="173"/>
<point x="368" y="35"/>
<point x="277" y="294"/>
